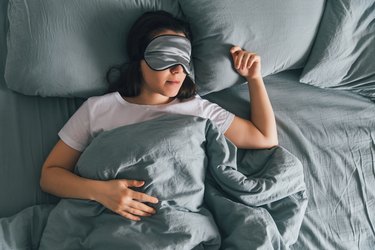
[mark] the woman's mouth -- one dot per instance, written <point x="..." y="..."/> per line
<point x="173" y="82"/>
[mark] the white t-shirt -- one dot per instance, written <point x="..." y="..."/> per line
<point x="102" y="113"/>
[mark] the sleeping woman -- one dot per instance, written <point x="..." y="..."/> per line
<point x="156" y="81"/>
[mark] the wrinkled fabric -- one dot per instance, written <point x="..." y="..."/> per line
<point x="172" y="154"/>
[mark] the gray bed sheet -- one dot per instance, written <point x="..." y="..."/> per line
<point x="332" y="132"/>
<point x="28" y="130"/>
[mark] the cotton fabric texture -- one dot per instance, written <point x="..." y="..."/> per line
<point x="192" y="168"/>
<point x="64" y="48"/>
<point x="343" y="55"/>
<point x="283" y="41"/>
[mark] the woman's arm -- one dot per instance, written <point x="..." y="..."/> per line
<point x="58" y="179"/>
<point x="260" y="130"/>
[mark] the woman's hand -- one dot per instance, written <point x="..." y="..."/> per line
<point x="246" y="63"/>
<point x="57" y="178"/>
<point x="117" y="196"/>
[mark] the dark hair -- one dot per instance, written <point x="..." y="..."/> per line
<point x="128" y="76"/>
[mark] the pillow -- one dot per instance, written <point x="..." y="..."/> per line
<point x="343" y="53"/>
<point x="64" y="48"/>
<point x="281" y="32"/>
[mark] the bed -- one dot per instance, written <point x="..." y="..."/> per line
<point x="318" y="67"/>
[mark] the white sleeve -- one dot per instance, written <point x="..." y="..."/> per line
<point x="222" y="118"/>
<point x="76" y="132"/>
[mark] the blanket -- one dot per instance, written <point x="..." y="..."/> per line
<point x="208" y="199"/>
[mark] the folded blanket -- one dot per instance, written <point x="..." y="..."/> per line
<point x="24" y="229"/>
<point x="207" y="198"/>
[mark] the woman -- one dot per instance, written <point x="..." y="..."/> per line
<point x="155" y="82"/>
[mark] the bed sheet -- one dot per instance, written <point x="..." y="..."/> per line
<point x="333" y="133"/>
<point x="28" y="130"/>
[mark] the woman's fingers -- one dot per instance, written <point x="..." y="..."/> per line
<point x="143" y="197"/>
<point x="246" y="63"/>
<point x="253" y="59"/>
<point x="234" y="52"/>
<point x="234" y="49"/>
<point x="142" y="208"/>
<point x="137" y="211"/>
<point x="121" y="199"/>
<point x="135" y="206"/>
<point x="250" y="62"/>
<point x="133" y="209"/>
<point x="239" y="59"/>
<point x="134" y="213"/>
<point x="133" y="183"/>
<point x="128" y="215"/>
<point x="242" y="59"/>
<point x="245" y="60"/>
<point x="248" y="59"/>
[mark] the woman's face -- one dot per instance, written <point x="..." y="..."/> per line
<point x="166" y="83"/>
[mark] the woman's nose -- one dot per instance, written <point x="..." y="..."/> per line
<point x="176" y="69"/>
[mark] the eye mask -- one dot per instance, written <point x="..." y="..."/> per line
<point x="166" y="51"/>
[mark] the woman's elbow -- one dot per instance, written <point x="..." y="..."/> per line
<point x="273" y="142"/>
<point x="260" y="143"/>
<point x="268" y="142"/>
<point x="42" y="181"/>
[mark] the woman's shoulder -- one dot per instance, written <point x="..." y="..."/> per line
<point x="109" y="97"/>
<point x="102" y="101"/>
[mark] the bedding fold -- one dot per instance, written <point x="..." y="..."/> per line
<point x="206" y="200"/>
<point x="24" y="229"/>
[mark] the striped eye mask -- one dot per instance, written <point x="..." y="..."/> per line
<point x="166" y="51"/>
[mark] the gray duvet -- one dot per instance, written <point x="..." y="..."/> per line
<point x="206" y="200"/>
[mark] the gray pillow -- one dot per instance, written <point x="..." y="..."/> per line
<point x="64" y="48"/>
<point x="281" y="32"/>
<point x="343" y="55"/>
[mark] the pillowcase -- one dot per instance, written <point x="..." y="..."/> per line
<point x="64" y="48"/>
<point x="281" y="32"/>
<point x="343" y="55"/>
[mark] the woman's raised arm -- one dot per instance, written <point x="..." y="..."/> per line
<point x="260" y="130"/>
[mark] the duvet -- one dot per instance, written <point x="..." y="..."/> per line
<point x="208" y="199"/>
